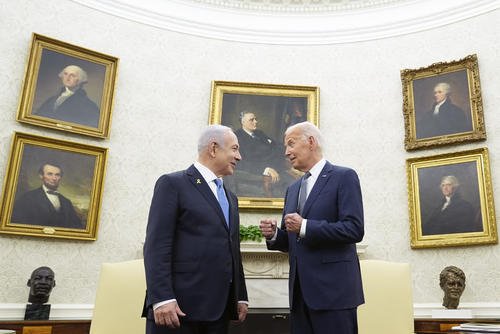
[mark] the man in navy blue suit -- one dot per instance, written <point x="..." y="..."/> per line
<point x="322" y="222"/>
<point x="194" y="274"/>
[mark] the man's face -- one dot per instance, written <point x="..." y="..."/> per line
<point x="439" y="94"/>
<point x="249" y="122"/>
<point x="51" y="177"/>
<point x="70" y="78"/>
<point x="298" y="150"/>
<point x="453" y="286"/>
<point x="41" y="282"/>
<point x="447" y="188"/>
<point x="227" y="155"/>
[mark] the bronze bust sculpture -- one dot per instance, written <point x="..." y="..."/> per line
<point x="452" y="281"/>
<point x="41" y="283"/>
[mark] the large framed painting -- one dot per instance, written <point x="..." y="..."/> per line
<point x="260" y="114"/>
<point x="52" y="188"/>
<point x="451" y="200"/>
<point x="442" y="104"/>
<point x="68" y="88"/>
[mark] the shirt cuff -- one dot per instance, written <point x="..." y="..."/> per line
<point x="243" y="302"/>
<point x="156" y="305"/>
<point x="303" y="228"/>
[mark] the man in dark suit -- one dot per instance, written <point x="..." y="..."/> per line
<point x="194" y="274"/>
<point x="322" y="222"/>
<point x="46" y="206"/>
<point x="453" y="214"/>
<point x="263" y="169"/>
<point x="444" y="118"/>
<point x="71" y="103"/>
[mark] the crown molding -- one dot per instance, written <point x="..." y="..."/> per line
<point x="299" y="28"/>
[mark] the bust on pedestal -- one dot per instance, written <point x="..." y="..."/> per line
<point x="41" y="283"/>
<point x="452" y="281"/>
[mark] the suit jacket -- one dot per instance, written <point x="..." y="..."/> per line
<point x="190" y="254"/>
<point x="325" y="259"/>
<point x="34" y="208"/>
<point x="77" y="108"/>
<point x="450" y="119"/>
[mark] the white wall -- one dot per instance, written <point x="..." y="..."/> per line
<point x="162" y="103"/>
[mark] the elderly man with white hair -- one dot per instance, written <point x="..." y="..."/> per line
<point x="453" y="214"/>
<point x="444" y="118"/>
<point x="71" y="103"/>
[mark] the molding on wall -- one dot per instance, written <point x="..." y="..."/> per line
<point x="259" y="262"/>
<point x="479" y="310"/>
<point x="298" y="28"/>
<point x="57" y="311"/>
<point x="84" y="311"/>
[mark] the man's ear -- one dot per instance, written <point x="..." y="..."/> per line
<point x="212" y="148"/>
<point x="29" y="283"/>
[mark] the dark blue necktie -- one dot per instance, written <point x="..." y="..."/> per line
<point x="221" y="196"/>
<point x="303" y="193"/>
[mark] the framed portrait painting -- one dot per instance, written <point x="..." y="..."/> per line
<point x="442" y="104"/>
<point x="68" y="88"/>
<point x="451" y="200"/>
<point x="259" y="114"/>
<point x="52" y="188"/>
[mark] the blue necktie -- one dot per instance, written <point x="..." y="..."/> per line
<point x="221" y="196"/>
<point x="303" y="193"/>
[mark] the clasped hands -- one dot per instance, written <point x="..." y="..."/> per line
<point x="293" y="222"/>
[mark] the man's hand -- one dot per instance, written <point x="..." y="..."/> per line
<point x="242" y="311"/>
<point x="275" y="176"/>
<point x="293" y="222"/>
<point x="168" y="315"/>
<point x="268" y="228"/>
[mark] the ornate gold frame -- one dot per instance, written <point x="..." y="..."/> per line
<point x="256" y="90"/>
<point x="105" y="65"/>
<point x="432" y="73"/>
<point x="467" y="163"/>
<point x="72" y="154"/>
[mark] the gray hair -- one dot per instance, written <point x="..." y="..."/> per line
<point x="212" y="133"/>
<point x="445" y="85"/>
<point x="308" y="130"/>
<point x="451" y="179"/>
<point x="82" y="75"/>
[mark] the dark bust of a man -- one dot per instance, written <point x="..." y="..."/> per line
<point x="452" y="281"/>
<point x="41" y="282"/>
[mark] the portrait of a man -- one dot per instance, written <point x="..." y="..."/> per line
<point x="53" y="188"/>
<point x="442" y="105"/>
<point x="69" y="89"/>
<point x="45" y="205"/>
<point x="259" y="123"/>
<point x="71" y="102"/>
<point x="450" y="200"/>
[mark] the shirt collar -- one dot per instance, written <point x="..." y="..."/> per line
<point x="205" y="172"/>
<point x="317" y="168"/>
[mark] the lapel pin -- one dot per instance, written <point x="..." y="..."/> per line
<point x="198" y="181"/>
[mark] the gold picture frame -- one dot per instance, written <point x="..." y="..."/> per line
<point x="450" y="200"/>
<point x="276" y="107"/>
<point x="68" y="88"/>
<point x="52" y="188"/>
<point x="454" y="115"/>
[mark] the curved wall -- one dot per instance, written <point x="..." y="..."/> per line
<point x="162" y="102"/>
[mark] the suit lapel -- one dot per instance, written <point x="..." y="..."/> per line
<point x="201" y="185"/>
<point x="322" y="180"/>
